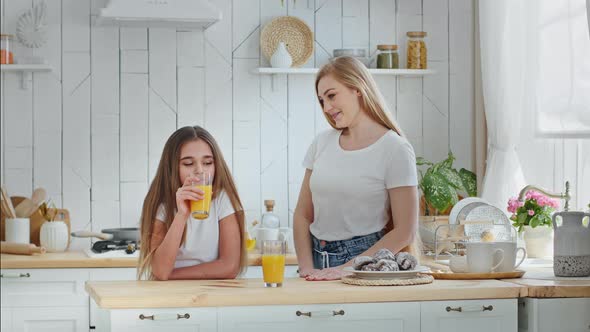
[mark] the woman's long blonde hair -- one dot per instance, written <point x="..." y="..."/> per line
<point x="354" y="75"/>
<point x="162" y="192"/>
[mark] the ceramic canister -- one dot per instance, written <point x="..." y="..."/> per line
<point x="54" y="236"/>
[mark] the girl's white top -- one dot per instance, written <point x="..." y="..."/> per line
<point x="202" y="236"/>
<point x="349" y="188"/>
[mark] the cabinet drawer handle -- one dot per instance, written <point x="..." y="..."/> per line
<point x="320" y="313"/>
<point x="15" y="275"/>
<point x="165" y="316"/>
<point x="471" y="309"/>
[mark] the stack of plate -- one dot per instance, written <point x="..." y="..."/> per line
<point x="373" y="275"/>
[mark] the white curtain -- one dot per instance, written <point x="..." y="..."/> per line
<point x="503" y="41"/>
<point x="562" y="60"/>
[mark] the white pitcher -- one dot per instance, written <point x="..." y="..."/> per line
<point x="281" y="57"/>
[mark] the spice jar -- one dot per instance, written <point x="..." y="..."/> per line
<point x="387" y="57"/>
<point x="416" y="55"/>
<point x="6" y="56"/>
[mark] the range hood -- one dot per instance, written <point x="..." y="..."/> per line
<point x="184" y="14"/>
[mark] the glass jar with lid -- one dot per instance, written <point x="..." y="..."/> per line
<point x="387" y="57"/>
<point x="6" y="56"/>
<point x="416" y="53"/>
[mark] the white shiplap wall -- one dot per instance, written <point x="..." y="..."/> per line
<point x="92" y="131"/>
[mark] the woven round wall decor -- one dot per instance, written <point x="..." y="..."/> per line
<point x="293" y="32"/>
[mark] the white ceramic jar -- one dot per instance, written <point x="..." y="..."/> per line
<point x="54" y="236"/>
<point x="281" y="57"/>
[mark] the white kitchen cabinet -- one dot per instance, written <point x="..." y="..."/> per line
<point x="5" y="319"/>
<point x="374" y="317"/>
<point x="44" y="300"/>
<point x="44" y="287"/>
<point x="158" y="320"/>
<point x="54" y="319"/>
<point x="470" y="315"/>
<point x="550" y="315"/>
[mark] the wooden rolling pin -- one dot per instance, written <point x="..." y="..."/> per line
<point x="20" y="248"/>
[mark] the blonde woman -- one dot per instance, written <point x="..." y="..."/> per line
<point x="359" y="192"/>
<point x="173" y="244"/>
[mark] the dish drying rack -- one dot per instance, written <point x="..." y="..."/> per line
<point x="450" y="239"/>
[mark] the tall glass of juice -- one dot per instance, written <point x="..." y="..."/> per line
<point x="273" y="262"/>
<point x="200" y="208"/>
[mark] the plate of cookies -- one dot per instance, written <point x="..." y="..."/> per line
<point x="386" y="265"/>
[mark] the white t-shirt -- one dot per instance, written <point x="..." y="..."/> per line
<point x="202" y="236"/>
<point x="349" y="188"/>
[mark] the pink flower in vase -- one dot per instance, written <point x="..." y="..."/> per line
<point x="531" y="212"/>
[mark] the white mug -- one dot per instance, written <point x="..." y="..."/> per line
<point x="480" y="257"/>
<point x="286" y="234"/>
<point x="18" y="230"/>
<point x="264" y="234"/>
<point x="510" y="253"/>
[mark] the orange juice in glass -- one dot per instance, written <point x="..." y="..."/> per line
<point x="200" y="208"/>
<point x="273" y="262"/>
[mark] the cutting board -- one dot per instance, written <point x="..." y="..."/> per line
<point x="36" y="220"/>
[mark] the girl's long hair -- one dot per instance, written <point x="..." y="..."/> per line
<point x="354" y="75"/>
<point x="162" y="192"/>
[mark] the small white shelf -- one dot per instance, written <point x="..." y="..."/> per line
<point x="26" y="70"/>
<point x="301" y="71"/>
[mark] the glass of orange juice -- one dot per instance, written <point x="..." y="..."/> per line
<point x="200" y="208"/>
<point x="273" y="262"/>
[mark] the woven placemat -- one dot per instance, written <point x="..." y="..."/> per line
<point x="293" y="32"/>
<point x="420" y="279"/>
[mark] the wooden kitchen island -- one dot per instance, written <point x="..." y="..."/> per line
<point x="244" y="305"/>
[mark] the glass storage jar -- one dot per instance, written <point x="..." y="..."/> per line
<point x="6" y="56"/>
<point x="387" y="57"/>
<point x="416" y="53"/>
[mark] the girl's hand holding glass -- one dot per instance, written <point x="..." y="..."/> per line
<point x="187" y="193"/>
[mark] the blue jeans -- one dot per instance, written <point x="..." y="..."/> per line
<point x="335" y="253"/>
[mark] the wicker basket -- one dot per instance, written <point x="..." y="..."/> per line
<point x="293" y="32"/>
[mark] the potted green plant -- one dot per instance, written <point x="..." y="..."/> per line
<point x="441" y="185"/>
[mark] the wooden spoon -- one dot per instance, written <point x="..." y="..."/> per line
<point x="28" y="206"/>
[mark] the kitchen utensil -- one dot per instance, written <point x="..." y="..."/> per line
<point x="7" y="203"/>
<point x="37" y="218"/>
<point x="293" y="32"/>
<point x="115" y="234"/>
<point x="406" y="274"/>
<point x="460" y="205"/>
<point x="20" y="248"/>
<point x="17" y="230"/>
<point x="571" y="244"/>
<point x="468" y="276"/>
<point x="480" y="257"/>
<point x="24" y="208"/>
<point x="481" y="216"/>
<point x="27" y="206"/>
<point x="54" y="236"/>
<point x="509" y="259"/>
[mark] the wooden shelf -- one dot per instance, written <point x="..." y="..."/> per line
<point x="304" y="71"/>
<point x="25" y="71"/>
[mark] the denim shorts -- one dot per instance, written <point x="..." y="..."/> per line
<point x="335" y="253"/>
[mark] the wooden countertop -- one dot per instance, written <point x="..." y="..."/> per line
<point x="542" y="283"/>
<point x="249" y="292"/>
<point x="78" y="259"/>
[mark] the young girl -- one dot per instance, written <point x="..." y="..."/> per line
<point x="173" y="244"/>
